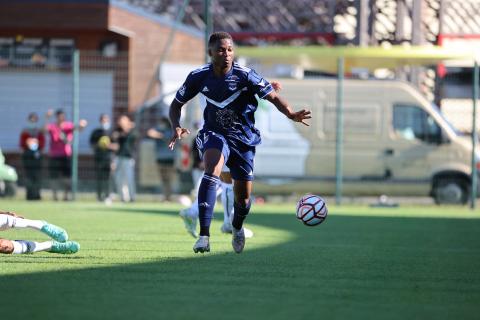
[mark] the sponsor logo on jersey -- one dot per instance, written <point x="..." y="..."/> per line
<point x="226" y="118"/>
<point x="233" y="78"/>
<point x="205" y="89"/>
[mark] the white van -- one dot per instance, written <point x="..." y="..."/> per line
<point x="395" y="143"/>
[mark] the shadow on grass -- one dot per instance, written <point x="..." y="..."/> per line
<point x="352" y="267"/>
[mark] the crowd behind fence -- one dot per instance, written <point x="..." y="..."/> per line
<point x="92" y="87"/>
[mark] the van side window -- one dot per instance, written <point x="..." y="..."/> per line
<point x="411" y="122"/>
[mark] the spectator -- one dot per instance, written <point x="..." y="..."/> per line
<point x="165" y="157"/>
<point x="32" y="141"/>
<point x="60" y="155"/>
<point x="100" y="143"/>
<point x="124" y="138"/>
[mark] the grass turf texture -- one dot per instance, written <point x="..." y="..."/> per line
<point x="136" y="262"/>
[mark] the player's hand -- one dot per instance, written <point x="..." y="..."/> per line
<point x="301" y="116"/>
<point x="82" y="123"/>
<point x="277" y="86"/>
<point x="178" y="134"/>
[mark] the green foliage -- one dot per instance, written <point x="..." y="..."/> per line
<point x="136" y="262"/>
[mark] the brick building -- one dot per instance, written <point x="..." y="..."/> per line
<point x="119" y="45"/>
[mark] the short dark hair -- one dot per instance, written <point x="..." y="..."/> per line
<point x="59" y="112"/>
<point x="217" y="36"/>
<point x="126" y="116"/>
<point x="32" y="115"/>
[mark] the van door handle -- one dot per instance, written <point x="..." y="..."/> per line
<point x="389" y="152"/>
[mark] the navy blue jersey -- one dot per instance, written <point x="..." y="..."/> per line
<point x="230" y="100"/>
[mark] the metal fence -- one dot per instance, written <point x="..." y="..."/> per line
<point x="366" y="138"/>
<point x="83" y="86"/>
<point x="373" y="133"/>
<point x="414" y="147"/>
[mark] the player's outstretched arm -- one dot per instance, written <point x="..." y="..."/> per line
<point x="178" y="131"/>
<point x="9" y="213"/>
<point x="283" y="106"/>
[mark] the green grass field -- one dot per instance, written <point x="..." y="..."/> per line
<point x="136" y="262"/>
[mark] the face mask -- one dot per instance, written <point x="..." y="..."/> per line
<point x="33" y="146"/>
<point x="106" y="126"/>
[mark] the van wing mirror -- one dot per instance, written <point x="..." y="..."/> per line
<point x="444" y="138"/>
<point x="439" y="138"/>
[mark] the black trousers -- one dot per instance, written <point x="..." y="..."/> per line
<point x="32" y="163"/>
<point x="102" y="177"/>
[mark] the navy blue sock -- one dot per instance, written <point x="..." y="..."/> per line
<point x="239" y="214"/>
<point x="207" y="196"/>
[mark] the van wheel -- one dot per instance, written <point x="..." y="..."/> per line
<point x="451" y="191"/>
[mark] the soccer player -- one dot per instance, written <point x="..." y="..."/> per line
<point x="228" y="135"/>
<point x="225" y="190"/>
<point x="58" y="245"/>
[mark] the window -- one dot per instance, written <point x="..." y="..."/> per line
<point x="6" y="49"/>
<point x="457" y="83"/>
<point x="61" y="52"/>
<point x="37" y="52"/>
<point x="30" y="51"/>
<point x="412" y="122"/>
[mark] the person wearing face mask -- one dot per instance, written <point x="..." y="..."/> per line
<point x="60" y="132"/>
<point x="101" y="145"/>
<point x="165" y="157"/>
<point x="32" y="141"/>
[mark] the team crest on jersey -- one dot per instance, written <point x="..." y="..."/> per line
<point x="232" y="82"/>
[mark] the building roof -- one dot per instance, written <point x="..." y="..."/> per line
<point x="153" y="17"/>
<point x="159" y="19"/>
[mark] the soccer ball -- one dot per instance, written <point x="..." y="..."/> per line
<point x="311" y="210"/>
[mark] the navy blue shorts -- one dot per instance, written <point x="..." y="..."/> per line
<point x="238" y="158"/>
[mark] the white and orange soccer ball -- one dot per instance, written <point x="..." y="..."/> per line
<point x="312" y="210"/>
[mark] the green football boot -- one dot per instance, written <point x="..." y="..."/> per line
<point x="54" y="232"/>
<point x="68" y="247"/>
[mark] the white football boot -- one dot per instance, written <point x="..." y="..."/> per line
<point x="202" y="245"/>
<point x="227" y="228"/>
<point x="238" y="240"/>
<point x="190" y="223"/>
<point x="248" y="233"/>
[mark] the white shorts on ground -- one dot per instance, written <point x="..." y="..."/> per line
<point x="6" y="222"/>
